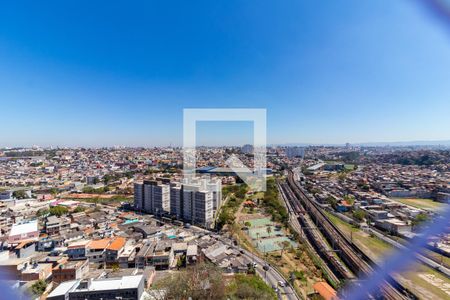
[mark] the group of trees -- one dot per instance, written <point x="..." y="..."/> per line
<point x="54" y="211"/>
<point x="420" y="219"/>
<point x="359" y="215"/>
<point x="273" y="205"/>
<point x="205" y="281"/>
<point x="201" y="281"/>
<point x="20" y="194"/>
<point x="91" y="190"/>
<point x="239" y="190"/>
<point x="250" y="287"/>
<point x="39" y="287"/>
<point x="236" y="195"/>
<point x="423" y="160"/>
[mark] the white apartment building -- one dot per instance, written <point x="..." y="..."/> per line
<point x="152" y="196"/>
<point x="156" y="197"/>
<point x="176" y="200"/>
<point x="203" y="208"/>
<point x="195" y="202"/>
<point x="139" y="196"/>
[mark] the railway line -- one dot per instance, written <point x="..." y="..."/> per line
<point x="350" y="254"/>
<point x="338" y="271"/>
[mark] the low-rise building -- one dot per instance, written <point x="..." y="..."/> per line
<point x="70" y="270"/>
<point x="95" y="250"/>
<point x="126" y="287"/>
<point x="24" y="231"/>
<point x="35" y="271"/>
<point x="114" y="249"/>
<point x="77" y="250"/>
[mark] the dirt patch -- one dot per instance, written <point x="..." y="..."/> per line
<point x="437" y="282"/>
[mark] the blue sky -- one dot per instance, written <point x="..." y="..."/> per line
<point x="114" y="73"/>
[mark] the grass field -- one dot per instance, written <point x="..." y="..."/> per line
<point x="427" y="204"/>
<point x="416" y="279"/>
<point x="349" y="167"/>
<point x="426" y="282"/>
<point x="372" y="246"/>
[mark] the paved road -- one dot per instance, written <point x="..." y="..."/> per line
<point x="271" y="277"/>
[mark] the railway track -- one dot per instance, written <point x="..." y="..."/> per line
<point x="354" y="258"/>
<point x="315" y="238"/>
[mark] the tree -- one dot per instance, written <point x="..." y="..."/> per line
<point x="181" y="261"/>
<point x="359" y="215"/>
<point x="342" y="176"/>
<point x="38" y="288"/>
<point x="115" y="267"/>
<point x="250" y="287"/>
<point x="269" y="230"/>
<point x="79" y="209"/>
<point x="251" y="269"/>
<point x="350" y="199"/>
<point x="54" y="191"/>
<point x="202" y="281"/>
<point x="332" y="201"/>
<point x="20" y="194"/>
<point x="285" y="244"/>
<point x="419" y="219"/>
<point x="42" y="212"/>
<point x="58" y="210"/>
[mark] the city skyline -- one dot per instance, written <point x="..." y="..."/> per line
<point x="366" y="72"/>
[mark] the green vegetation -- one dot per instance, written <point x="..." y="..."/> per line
<point x="421" y="285"/>
<point x="20" y="194"/>
<point x="116" y="176"/>
<point x="419" y="220"/>
<point x="236" y="195"/>
<point x="58" y="210"/>
<point x="42" y="212"/>
<point x="91" y="190"/>
<point x="378" y="249"/>
<point x="238" y="190"/>
<point x="299" y="275"/>
<point x="38" y="288"/>
<point x="423" y="160"/>
<point x="272" y="204"/>
<point x="201" y="281"/>
<point x="359" y="215"/>
<point x="350" y="167"/>
<point x="350" y="157"/>
<point x="371" y="245"/>
<point x="250" y="287"/>
<point x="350" y="199"/>
<point x="421" y="203"/>
<point x="79" y="209"/>
<point x="53" y="191"/>
<point x="332" y="201"/>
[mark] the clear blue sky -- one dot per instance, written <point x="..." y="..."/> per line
<point x="97" y="73"/>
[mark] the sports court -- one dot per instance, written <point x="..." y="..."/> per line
<point x="273" y="244"/>
<point x="260" y="222"/>
<point x="267" y="240"/>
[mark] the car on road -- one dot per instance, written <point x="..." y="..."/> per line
<point x="281" y="283"/>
